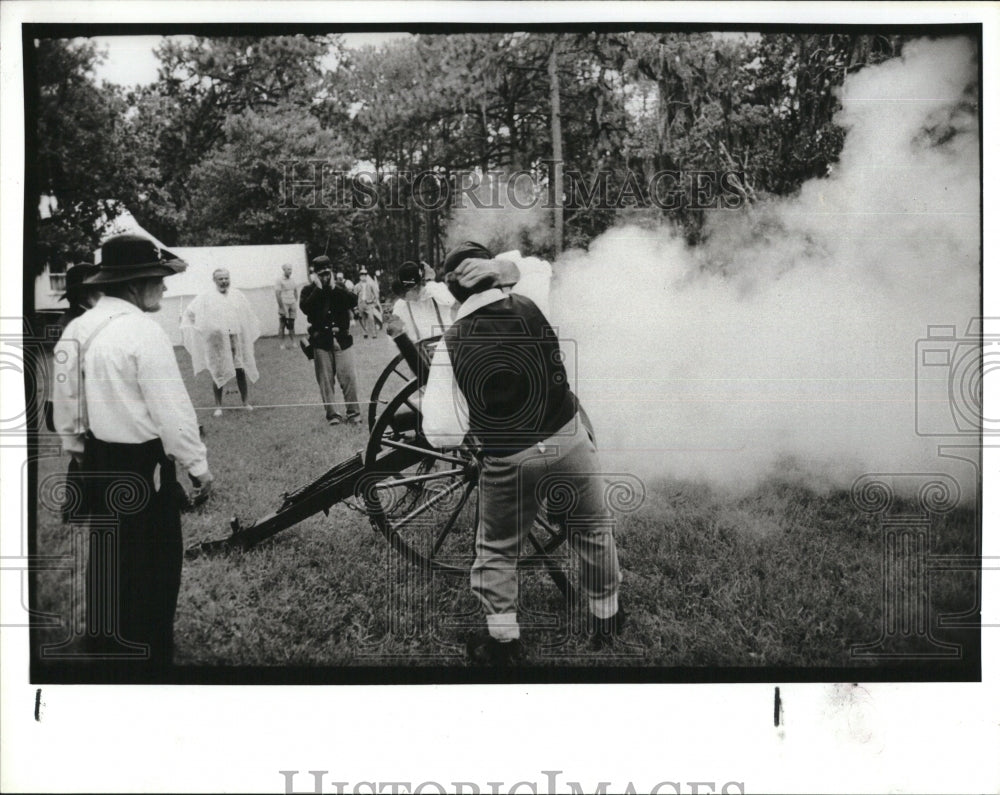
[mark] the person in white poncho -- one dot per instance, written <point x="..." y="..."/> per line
<point x="219" y="328"/>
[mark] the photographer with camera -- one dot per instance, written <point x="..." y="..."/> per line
<point x="328" y="305"/>
<point x="498" y="377"/>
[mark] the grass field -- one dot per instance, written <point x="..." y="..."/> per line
<point x="779" y="577"/>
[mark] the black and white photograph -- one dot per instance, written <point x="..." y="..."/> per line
<point x="466" y="382"/>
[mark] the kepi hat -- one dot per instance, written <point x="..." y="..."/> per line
<point x="321" y="263"/>
<point x="125" y="258"/>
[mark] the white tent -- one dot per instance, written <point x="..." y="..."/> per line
<point x="253" y="269"/>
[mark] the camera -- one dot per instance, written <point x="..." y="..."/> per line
<point x="950" y="375"/>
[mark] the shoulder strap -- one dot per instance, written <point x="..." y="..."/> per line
<point x="437" y="312"/>
<point x="413" y="320"/>
<point x="84" y="414"/>
<point x="101" y="326"/>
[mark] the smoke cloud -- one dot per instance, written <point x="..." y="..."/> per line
<point x="503" y="213"/>
<point x="788" y="341"/>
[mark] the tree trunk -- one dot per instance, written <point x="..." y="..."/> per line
<point x="557" y="148"/>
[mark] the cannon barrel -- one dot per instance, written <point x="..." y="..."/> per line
<point x="340" y="482"/>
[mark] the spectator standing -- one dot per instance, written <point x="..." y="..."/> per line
<point x="124" y="414"/>
<point x="286" y="291"/>
<point x="369" y="308"/>
<point x="80" y="297"/>
<point x="219" y="328"/>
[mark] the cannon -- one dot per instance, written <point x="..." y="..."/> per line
<point x="423" y="501"/>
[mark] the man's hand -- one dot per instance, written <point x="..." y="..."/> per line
<point x="203" y="488"/>
<point x="394" y="326"/>
<point x="472" y="273"/>
<point x="314" y="279"/>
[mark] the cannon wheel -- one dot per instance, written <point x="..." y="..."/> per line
<point x="395" y="375"/>
<point x="429" y="511"/>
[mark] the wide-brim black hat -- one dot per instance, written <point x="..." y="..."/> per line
<point x="76" y="276"/>
<point x="125" y="258"/>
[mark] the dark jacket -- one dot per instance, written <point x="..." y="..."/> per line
<point x="326" y="308"/>
<point x="507" y="362"/>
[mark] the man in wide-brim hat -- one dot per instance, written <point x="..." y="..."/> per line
<point x="123" y="412"/>
<point x="80" y="298"/>
<point x="78" y="295"/>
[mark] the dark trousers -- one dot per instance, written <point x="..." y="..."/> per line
<point x="136" y="551"/>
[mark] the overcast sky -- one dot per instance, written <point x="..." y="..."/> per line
<point x="131" y="61"/>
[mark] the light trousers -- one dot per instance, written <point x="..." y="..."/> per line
<point x="337" y="366"/>
<point x="563" y="476"/>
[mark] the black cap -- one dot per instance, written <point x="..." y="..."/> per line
<point x="410" y="274"/>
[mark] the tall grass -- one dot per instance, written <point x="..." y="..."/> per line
<point x="783" y="576"/>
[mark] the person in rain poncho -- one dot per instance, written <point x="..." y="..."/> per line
<point x="219" y="328"/>
<point x="369" y="308"/>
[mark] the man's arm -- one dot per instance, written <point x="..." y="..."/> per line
<point x="534" y="281"/>
<point x="168" y="402"/>
<point x="439" y="292"/>
<point x="67" y="402"/>
<point x="444" y="408"/>
<point x="309" y="298"/>
<point x="527" y="276"/>
<point x="277" y="296"/>
<point x="349" y="299"/>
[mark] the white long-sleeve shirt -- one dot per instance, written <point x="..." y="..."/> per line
<point x="444" y="408"/>
<point x="133" y="387"/>
<point x="421" y="318"/>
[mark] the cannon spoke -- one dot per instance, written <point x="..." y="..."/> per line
<point x="425" y="508"/>
<point x="412" y="479"/>
<point x="451" y="520"/>
<point x="427" y="505"/>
